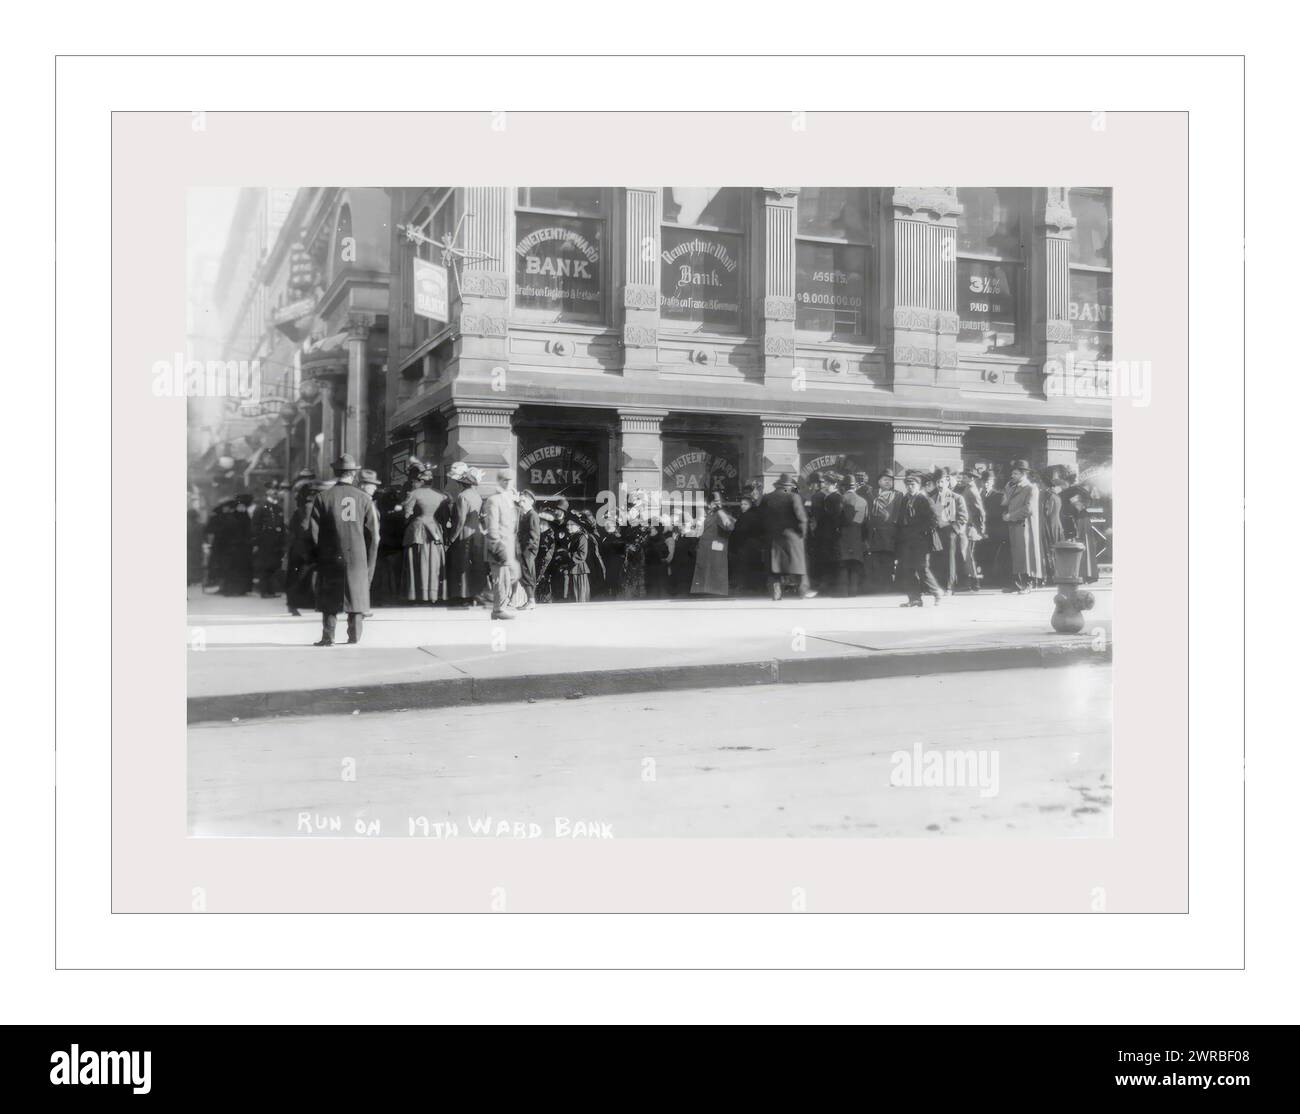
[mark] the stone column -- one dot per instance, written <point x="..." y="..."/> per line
<point x="1062" y="447"/>
<point x="640" y="282"/>
<point x="485" y="285"/>
<point x="356" y="417"/>
<point x="923" y="314"/>
<point x="1052" y="338"/>
<point x="481" y="435"/>
<point x="778" y="448"/>
<point x="776" y="323"/>
<point x="928" y="445"/>
<point x="641" y="450"/>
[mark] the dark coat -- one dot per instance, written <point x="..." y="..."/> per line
<point x="268" y="533"/>
<point x="466" y="547"/>
<point x="344" y="530"/>
<point x="882" y="520"/>
<point x="917" y="524"/>
<point x="785" y="525"/>
<point x="710" y="576"/>
<point x="423" y="507"/>
<point x="299" y="590"/>
<point x="851" y="539"/>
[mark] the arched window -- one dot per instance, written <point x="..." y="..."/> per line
<point x="345" y="245"/>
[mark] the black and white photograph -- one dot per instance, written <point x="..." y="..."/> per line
<point x="600" y="512"/>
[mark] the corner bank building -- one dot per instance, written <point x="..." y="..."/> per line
<point x="684" y="338"/>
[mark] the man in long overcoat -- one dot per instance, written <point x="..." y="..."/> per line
<point x="344" y="532"/>
<point x="1020" y="512"/>
<point x="882" y="531"/>
<point x="918" y="537"/>
<point x="850" y="539"/>
<point x="785" y="525"/>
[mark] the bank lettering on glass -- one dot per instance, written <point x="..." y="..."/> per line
<point x="700" y="278"/>
<point x="557" y="265"/>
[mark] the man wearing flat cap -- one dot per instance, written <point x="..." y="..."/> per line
<point x="344" y="532"/>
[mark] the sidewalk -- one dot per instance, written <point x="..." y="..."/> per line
<point x="248" y="657"/>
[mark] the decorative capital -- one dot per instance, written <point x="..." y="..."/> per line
<point x="914" y="356"/>
<point x="781" y="193"/>
<point x="933" y="436"/>
<point x="938" y="201"/>
<point x="641" y="421"/>
<point x="1056" y="210"/>
<point x="481" y="325"/>
<point x="638" y="336"/>
<point x="778" y="309"/>
<point x="640" y="296"/>
<point x="1060" y="332"/>
<point x="781" y="428"/>
<point x="484" y="284"/>
<point x="359" y="326"/>
<point x="914" y="318"/>
<point x="479" y="415"/>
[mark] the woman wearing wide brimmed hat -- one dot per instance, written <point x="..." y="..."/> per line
<point x="466" y="545"/>
<point x="423" y="542"/>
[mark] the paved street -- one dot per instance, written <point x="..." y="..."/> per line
<point x="1019" y="752"/>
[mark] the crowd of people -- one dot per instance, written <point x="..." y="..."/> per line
<point x="348" y="544"/>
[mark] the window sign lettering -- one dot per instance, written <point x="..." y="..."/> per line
<point x="558" y="266"/>
<point x="986" y="304"/>
<point x="831" y="285"/>
<point x="700" y="278"/>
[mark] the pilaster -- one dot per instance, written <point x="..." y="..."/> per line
<point x="485" y="282"/>
<point x="1052" y="332"/>
<point x="778" y="448"/>
<point x="481" y="435"/>
<point x="923" y="315"/>
<point x="641" y="452"/>
<point x="774" y="306"/>
<point x="638" y="294"/>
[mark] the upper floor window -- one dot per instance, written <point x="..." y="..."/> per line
<point x="1091" y="305"/>
<point x="560" y="253"/>
<point x="702" y="274"/>
<point x="835" y="261"/>
<point x="991" y="254"/>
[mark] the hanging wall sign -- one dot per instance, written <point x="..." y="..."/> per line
<point x="431" y="291"/>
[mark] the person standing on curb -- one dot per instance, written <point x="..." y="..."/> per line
<point x="501" y="529"/>
<point x="344" y="533"/>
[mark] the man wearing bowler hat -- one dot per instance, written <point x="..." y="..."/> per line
<point x="344" y="536"/>
<point x="785" y="524"/>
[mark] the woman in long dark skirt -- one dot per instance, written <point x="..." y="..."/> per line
<point x="423" y="543"/>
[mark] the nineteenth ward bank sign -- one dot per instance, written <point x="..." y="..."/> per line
<point x="431" y="290"/>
